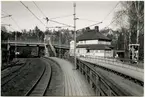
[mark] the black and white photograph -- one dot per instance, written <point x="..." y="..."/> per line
<point x="72" y="48"/>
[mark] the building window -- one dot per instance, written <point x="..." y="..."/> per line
<point x="88" y="50"/>
<point x="108" y="51"/>
<point x="78" y="51"/>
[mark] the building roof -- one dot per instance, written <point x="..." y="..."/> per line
<point x="96" y="47"/>
<point x="92" y="35"/>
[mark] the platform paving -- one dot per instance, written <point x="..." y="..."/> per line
<point x="75" y="83"/>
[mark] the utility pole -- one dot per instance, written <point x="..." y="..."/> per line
<point x="8" y="46"/>
<point x="15" y="45"/>
<point x="59" y="40"/>
<point x="74" y="5"/>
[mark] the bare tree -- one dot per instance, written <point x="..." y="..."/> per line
<point x="130" y="21"/>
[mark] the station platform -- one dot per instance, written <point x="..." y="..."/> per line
<point x="129" y="70"/>
<point x="75" y="84"/>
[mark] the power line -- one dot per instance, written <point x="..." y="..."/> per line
<point x="48" y="18"/>
<point x="90" y="25"/>
<point x="5" y="12"/>
<point x="102" y="20"/>
<point x="111" y="11"/>
<point x="39" y="8"/>
<point x="61" y="23"/>
<point x="32" y="13"/>
<point x="94" y="24"/>
<point x="16" y="23"/>
<point x="13" y="20"/>
<point x="9" y="25"/>
<point x="51" y="18"/>
<point x="57" y="27"/>
<point x="12" y="28"/>
<point x="6" y="24"/>
<point x="62" y="16"/>
<point x="87" y="19"/>
<point x="117" y="17"/>
<point x="6" y="16"/>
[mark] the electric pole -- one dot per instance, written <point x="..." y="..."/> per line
<point x="8" y="47"/>
<point x="74" y="5"/>
<point x="15" y="45"/>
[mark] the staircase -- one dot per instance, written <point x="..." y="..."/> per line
<point x="46" y="51"/>
<point x="52" y="48"/>
<point x="49" y="49"/>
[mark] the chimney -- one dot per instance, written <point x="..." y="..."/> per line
<point x="88" y="28"/>
<point x="97" y="28"/>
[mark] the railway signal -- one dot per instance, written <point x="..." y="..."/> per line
<point x="134" y="49"/>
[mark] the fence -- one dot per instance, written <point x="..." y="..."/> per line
<point x="121" y="62"/>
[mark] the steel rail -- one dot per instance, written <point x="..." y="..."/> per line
<point x="5" y="82"/>
<point x="38" y="83"/>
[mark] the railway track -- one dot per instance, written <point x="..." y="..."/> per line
<point x="8" y="77"/>
<point x="40" y="86"/>
<point x="13" y="70"/>
<point x="141" y="83"/>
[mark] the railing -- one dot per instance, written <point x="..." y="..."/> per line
<point x="102" y="85"/>
<point x="121" y="62"/>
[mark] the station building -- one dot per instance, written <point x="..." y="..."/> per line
<point x="92" y="43"/>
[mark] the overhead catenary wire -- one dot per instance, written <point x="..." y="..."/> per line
<point x="50" y="19"/>
<point x="38" y="8"/>
<point x="56" y="26"/>
<point x="87" y="20"/>
<point x="90" y="26"/>
<point x="64" y="16"/>
<point x="4" y="12"/>
<point x="116" y="17"/>
<point x="32" y="13"/>
<point x="12" y="28"/>
<point x="139" y="17"/>
<point x="15" y="33"/>
<point x="103" y="19"/>
<point x="9" y="25"/>
<point x="16" y="23"/>
<point x="13" y="20"/>
<point x="61" y="23"/>
<point x="6" y="16"/>
<point x="111" y="11"/>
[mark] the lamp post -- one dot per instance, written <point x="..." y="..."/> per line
<point x="74" y="5"/>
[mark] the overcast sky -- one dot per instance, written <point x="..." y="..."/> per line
<point x="91" y="10"/>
